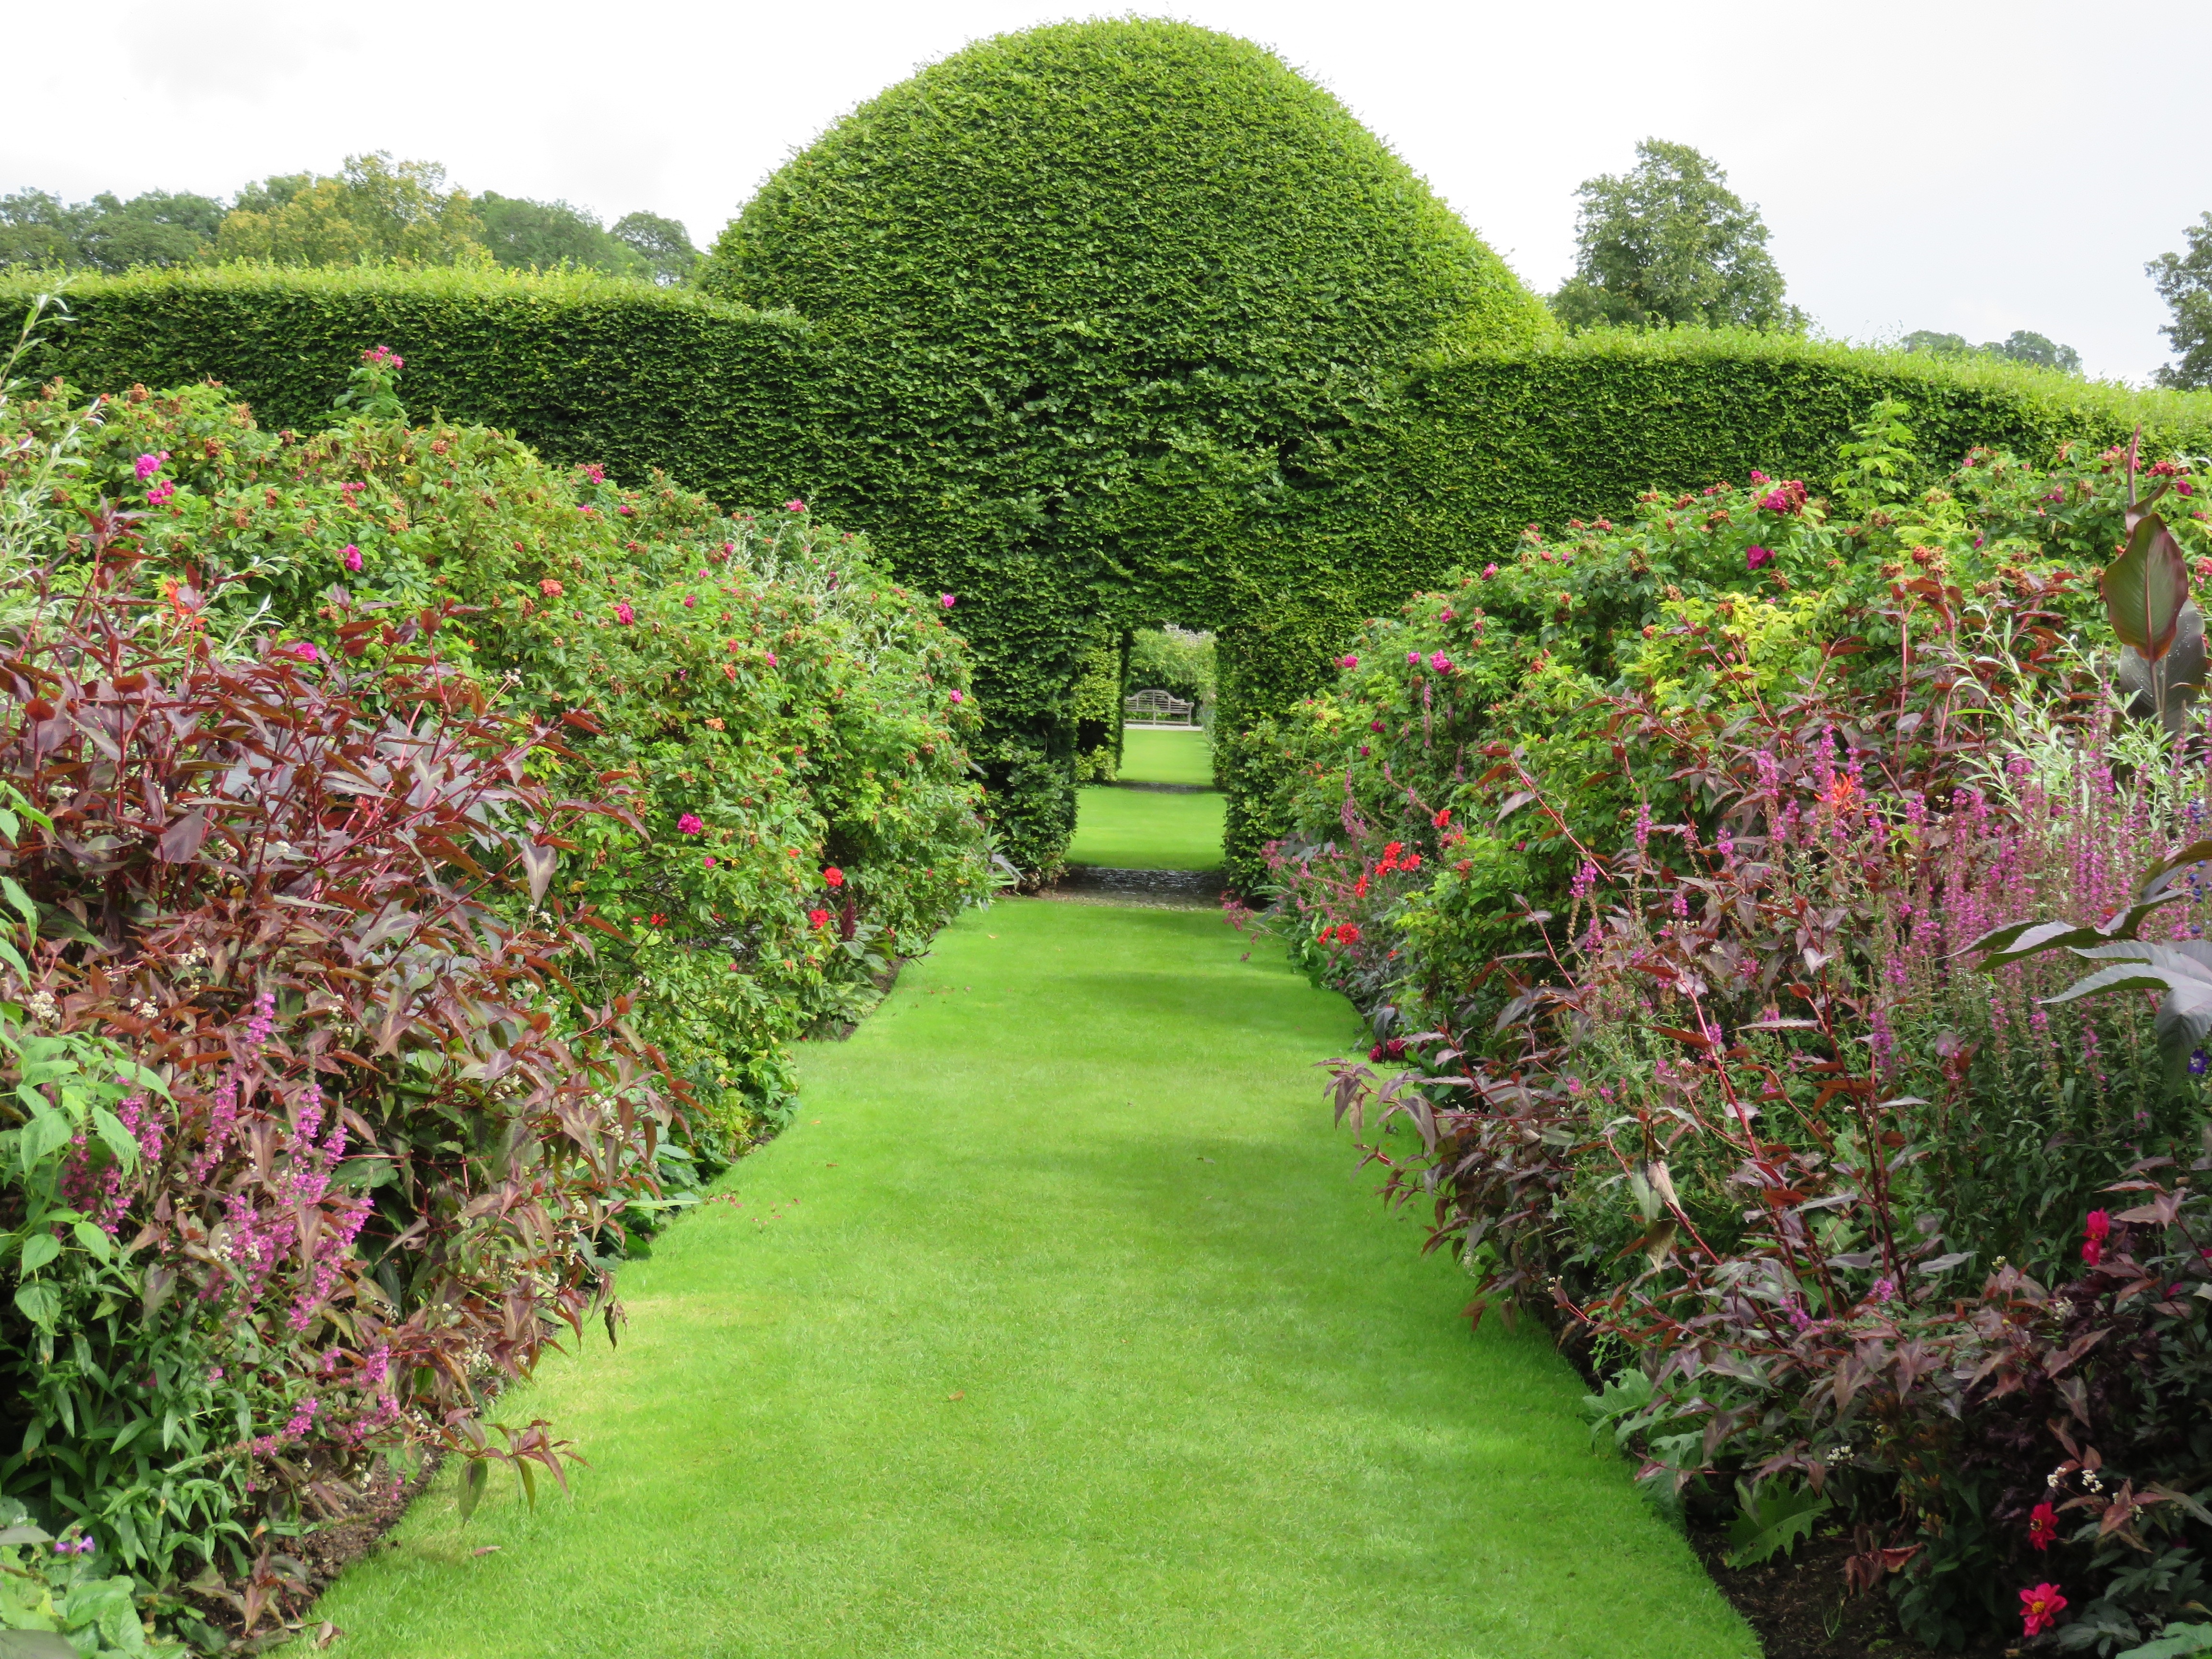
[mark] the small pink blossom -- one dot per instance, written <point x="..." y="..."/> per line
<point x="794" y="505"/>
<point x="771" y="659"/>
<point x="594" y="471"/>
<point x="958" y="697"/>
<point x="947" y="602"/>
<point x="351" y="557"/>
<point x="1413" y="658"/>
<point x="691" y="824"/>
<point x="1488" y="571"/>
<point x="160" y="494"/>
<point x="384" y="357"/>
<point x="623" y="614"/>
<point x="690" y="601"/>
<point x="1757" y="558"/>
<point x="303" y="649"/>
<point x="818" y="918"/>
<point x="1439" y="662"/>
<point x="1348" y="661"/>
<point x="147" y="466"/>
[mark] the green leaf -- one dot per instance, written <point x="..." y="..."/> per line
<point x="39" y="1249"/>
<point x="120" y="1141"/>
<point x="2145" y="588"/>
<point x="36" y="1644"/>
<point x="474" y="1478"/>
<point x="2174" y="1642"/>
<point x="46" y="1133"/>
<point x="1773" y="1520"/>
<point x="39" y="1304"/>
<point x="95" y="1239"/>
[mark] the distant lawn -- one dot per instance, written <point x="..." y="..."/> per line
<point x="1147" y="829"/>
<point x="1150" y="756"/>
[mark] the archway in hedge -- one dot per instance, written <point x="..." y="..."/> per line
<point x="1101" y="299"/>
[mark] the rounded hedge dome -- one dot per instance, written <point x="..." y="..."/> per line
<point x="1149" y="188"/>
<point x="1094" y="295"/>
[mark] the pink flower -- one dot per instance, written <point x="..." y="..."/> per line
<point x="1488" y="571"/>
<point x="833" y="876"/>
<point x="351" y="557"/>
<point x="690" y="601"/>
<point x="303" y="649"/>
<point x="623" y="614"/>
<point x="710" y="864"/>
<point x="818" y="918"/>
<point x="1347" y="662"/>
<point x="383" y="357"/>
<point x="551" y="589"/>
<point x="794" y="505"/>
<point x="771" y="663"/>
<point x="2039" y="1607"/>
<point x="1757" y="558"/>
<point x="1757" y="477"/>
<point x="691" y="824"/>
<point x="947" y="602"/>
<point x="1446" y="615"/>
<point x="160" y="494"/>
<point x="957" y="696"/>
<point x="2098" y="1224"/>
<point x="147" y="466"/>
<point x="2093" y="1252"/>
<point x="1439" y="662"/>
<point x="2042" y="1526"/>
<point x="595" y="473"/>
<point x="1413" y="658"/>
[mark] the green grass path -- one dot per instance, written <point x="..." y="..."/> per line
<point x="1152" y="830"/>
<point x="1060" y="1324"/>
<point x="1152" y="755"/>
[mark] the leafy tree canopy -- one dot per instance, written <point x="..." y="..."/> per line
<point x="376" y="209"/>
<point x="106" y="233"/>
<point x="529" y="235"/>
<point x="1670" y="243"/>
<point x="2184" y="282"/>
<point x="2021" y="346"/>
<point x="663" y="244"/>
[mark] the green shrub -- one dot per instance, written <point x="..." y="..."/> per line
<point x="1443" y="467"/>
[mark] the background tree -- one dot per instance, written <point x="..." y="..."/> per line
<point x="159" y="228"/>
<point x="2185" y="281"/>
<point x="376" y="209"/>
<point x="539" y="235"/>
<point x="662" y="243"/>
<point x="2021" y="346"/>
<point x="1670" y="243"/>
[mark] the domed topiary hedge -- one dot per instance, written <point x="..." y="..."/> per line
<point x="1093" y="293"/>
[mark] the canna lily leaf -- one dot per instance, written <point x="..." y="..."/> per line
<point x="2146" y="587"/>
<point x="2178" y="679"/>
<point x="1771" y="1520"/>
<point x="2181" y="970"/>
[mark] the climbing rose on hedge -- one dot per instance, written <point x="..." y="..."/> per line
<point x="833" y="876"/>
<point x="623" y="614"/>
<point x="147" y="466"/>
<point x="1439" y="662"/>
<point x="794" y="505"/>
<point x="956" y="698"/>
<point x="351" y="557"/>
<point x="1757" y="558"/>
<point x="2039" y="1607"/>
<point x="690" y="824"/>
<point x="947" y="602"/>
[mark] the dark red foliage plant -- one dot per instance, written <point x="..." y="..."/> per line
<point x="312" y="899"/>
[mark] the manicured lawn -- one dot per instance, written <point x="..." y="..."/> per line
<point x="1155" y="756"/>
<point x="1147" y="829"/>
<point x="1060" y="1324"/>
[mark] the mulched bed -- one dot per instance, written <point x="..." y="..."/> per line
<point x="1800" y="1610"/>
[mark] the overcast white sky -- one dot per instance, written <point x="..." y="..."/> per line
<point x="1973" y="166"/>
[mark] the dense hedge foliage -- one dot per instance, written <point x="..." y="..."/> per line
<point x="1654" y="852"/>
<point x="1091" y="289"/>
<point x="1441" y="467"/>
<point x="444" y="848"/>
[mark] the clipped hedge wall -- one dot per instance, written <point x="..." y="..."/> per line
<point x="1444" y="465"/>
<point x="1089" y="289"/>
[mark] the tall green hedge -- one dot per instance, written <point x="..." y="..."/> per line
<point x="1092" y="290"/>
<point x="1440" y="465"/>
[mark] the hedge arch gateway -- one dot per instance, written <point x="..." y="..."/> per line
<point x="1095" y="301"/>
